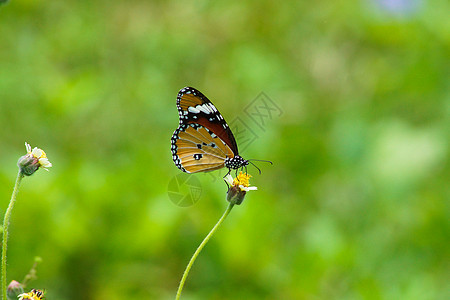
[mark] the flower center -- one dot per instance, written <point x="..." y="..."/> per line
<point x="242" y="179"/>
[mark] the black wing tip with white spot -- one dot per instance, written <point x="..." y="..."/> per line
<point x="193" y="91"/>
<point x="186" y="90"/>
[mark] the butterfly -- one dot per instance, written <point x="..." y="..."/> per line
<point x="203" y="141"/>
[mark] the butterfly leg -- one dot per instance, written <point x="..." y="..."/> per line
<point x="228" y="186"/>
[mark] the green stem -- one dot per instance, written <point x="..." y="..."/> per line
<point x="5" y="231"/>
<point x="199" y="249"/>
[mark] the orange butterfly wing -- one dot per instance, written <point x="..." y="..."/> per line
<point x="203" y="141"/>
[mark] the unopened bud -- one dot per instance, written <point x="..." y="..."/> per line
<point x="28" y="164"/>
<point x="235" y="195"/>
<point x="14" y="288"/>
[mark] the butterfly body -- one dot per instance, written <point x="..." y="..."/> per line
<point x="203" y="141"/>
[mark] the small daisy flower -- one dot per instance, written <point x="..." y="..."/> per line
<point x="239" y="186"/>
<point x="33" y="295"/>
<point x="33" y="160"/>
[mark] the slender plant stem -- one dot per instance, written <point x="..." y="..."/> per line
<point x="199" y="249"/>
<point x="5" y="231"/>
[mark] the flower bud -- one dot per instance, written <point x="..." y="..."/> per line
<point x="14" y="288"/>
<point x="33" y="160"/>
<point x="28" y="164"/>
<point x="235" y="195"/>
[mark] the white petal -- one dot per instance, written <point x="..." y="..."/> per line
<point x="229" y="179"/>
<point x="250" y="188"/>
<point x="28" y="147"/>
<point x="37" y="152"/>
<point x="44" y="162"/>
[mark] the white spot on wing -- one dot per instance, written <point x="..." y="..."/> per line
<point x="193" y="109"/>
<point x="203" y="108"/>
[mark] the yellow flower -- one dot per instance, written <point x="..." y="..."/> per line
<point x="239" y="186"/>
<point x="33" y="295"/>
<point x="33" y="160"/>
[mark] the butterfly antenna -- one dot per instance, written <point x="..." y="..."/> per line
<point x="267" y="161"/>
<point x="255" y="167"/>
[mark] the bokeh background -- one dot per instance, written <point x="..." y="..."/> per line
<point x="355" y="206"/>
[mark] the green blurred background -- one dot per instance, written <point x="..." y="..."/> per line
<point x="356" y="205"/>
